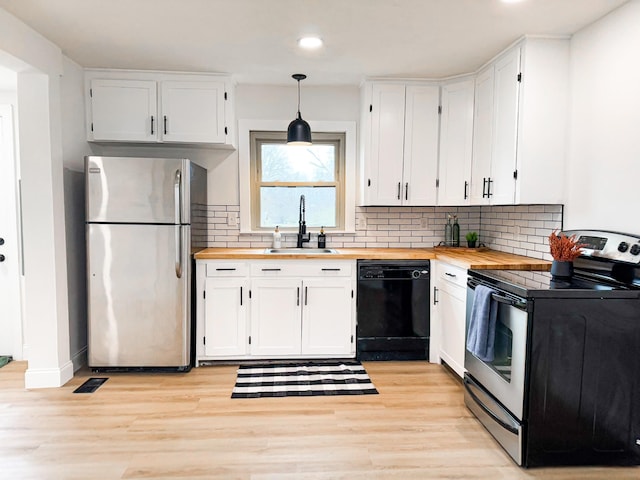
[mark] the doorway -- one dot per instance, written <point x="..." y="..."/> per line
<point x="11" y="333"/>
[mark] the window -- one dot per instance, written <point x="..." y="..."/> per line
<point x="280" y="174"/>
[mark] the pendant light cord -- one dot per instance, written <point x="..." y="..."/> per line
<point x="299" y="98"/>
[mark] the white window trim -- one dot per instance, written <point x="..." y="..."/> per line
<point x="244" y="165"/>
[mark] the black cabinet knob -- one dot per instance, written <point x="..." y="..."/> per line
<point x="1" y="258"/>
<point x="1" y="241"/>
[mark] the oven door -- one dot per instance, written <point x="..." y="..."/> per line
<point x="504" y="376"/>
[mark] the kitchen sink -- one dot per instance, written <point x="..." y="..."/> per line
<point x="301" y="251"/>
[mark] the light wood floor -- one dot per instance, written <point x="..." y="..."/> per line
<point x="186" y="426"/>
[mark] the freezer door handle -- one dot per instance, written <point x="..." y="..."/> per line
<point x="178" y="251"/>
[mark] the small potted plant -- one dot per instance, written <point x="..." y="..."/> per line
<point x="564" y="251"/>
<point x="472" y="238"/>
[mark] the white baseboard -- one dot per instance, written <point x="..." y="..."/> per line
<point x="48" y="377"/>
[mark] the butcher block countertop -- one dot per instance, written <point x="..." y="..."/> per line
<point x="462" y="257"/>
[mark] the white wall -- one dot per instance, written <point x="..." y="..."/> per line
<point x="74" y="148"/>
<point x="604" y="149"/>
<point x="39" y="66"/>
<point x="74" y="145"/>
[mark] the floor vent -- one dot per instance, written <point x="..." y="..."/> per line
<point x="90" y="385"/>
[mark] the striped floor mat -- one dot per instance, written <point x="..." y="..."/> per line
<point x="302" y="379"/>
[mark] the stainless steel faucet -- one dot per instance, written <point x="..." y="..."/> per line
<point x="303" y="236"/>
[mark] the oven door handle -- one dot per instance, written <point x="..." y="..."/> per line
<point x="522" y="305"/>
<point x="508" y="301"/>
<point x="488" y="411"/>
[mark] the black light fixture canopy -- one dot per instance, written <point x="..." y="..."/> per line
<point x="299" y="131"/>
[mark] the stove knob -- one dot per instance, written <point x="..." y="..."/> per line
<point x="623" y="247"/>
<point x="635" y="250"/>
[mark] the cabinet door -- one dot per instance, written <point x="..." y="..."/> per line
<point x="505" y="133"/>
<point x="456" y="138"/>
<point x="420" y="145"/>
<point x="327" y="323"/>
<point x="123" y="110"/>
<point x="482" y="136"/>
<point x="225" y="326"/>
<point x="451" y="313"/>
<point x="193" y="112"/>
<point x="387" y="144"/>
<point x="275" y="316"/>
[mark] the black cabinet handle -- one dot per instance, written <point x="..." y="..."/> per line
<point x="330" y="269"/>
<point x="450" y="274"/>
<point x="165" y="124"/>
<point x="298" y="296"/>
<point x="489" y="188"/>
<point x="484" y="187"/>
<point x="271" y="269"/>
<point x="306" y="295"/>
<point x="240" y="296"/>
<point x="399" y="187"/>
<point x="466" y="190"/>
<point x="152" y="120"/>
<point x="406" y="191"/>
<point x="225" y="269"/>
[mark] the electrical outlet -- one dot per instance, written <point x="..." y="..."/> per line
<point x="362" y="223"/>
<point x="232" y="219"/>
<point x="423" y="223"/>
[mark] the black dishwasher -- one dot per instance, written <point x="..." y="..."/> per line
<point x="393" y="310"/>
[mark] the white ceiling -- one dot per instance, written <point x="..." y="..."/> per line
<point x="256" y="39"/>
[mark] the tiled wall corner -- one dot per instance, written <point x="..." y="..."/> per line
<point x="520" y="229"/>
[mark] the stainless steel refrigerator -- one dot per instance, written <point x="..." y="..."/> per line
<point x="139" y="213"/>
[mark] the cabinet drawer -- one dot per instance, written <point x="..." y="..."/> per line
<point x="297" y="268"/>
<point x="451" y="276"/>
<point x="224" y="269"/>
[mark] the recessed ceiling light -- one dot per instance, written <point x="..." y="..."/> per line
<point x="310" y="42"/>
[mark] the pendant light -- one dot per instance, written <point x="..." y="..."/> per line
<point x="299" y="131"/>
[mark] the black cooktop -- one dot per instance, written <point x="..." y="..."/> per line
<point x="530" y="284"/>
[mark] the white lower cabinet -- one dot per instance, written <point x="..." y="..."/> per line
<point x="225" y="316"/>
<point x="275" y="317"/>
<point x="275" y="309"/>
<point x="327" y="302"/>
<point x="450" y="303"/>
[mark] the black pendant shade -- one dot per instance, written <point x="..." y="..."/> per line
<point x="299" y="131"/>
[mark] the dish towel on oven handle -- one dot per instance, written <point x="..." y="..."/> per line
<point x="482" y="324"/>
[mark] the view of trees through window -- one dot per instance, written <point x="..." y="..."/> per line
<point x="284" y="173"/>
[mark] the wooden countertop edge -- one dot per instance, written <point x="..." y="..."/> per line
<point x="485" y="259"/>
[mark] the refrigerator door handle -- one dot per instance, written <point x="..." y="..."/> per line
<point x="178" y="251"/>
<point x="177" y="195"/>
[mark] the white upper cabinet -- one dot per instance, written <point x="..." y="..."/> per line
<point x="520" y="125"/>
<point x="543" y="121"/>
<point x="399" y="144"/>
<point x="123" y="110"/>
<point x="456" y="136"/>
<point x="156" y="107"/>
<point x="193" y="112"/>
<point x="495" y="131"/>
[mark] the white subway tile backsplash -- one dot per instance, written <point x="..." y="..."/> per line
<point x="521" y="229"/>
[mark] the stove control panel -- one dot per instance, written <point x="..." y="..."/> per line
<point x="620" y="247"/>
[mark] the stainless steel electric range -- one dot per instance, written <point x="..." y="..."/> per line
<point x="562" y="386"/>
